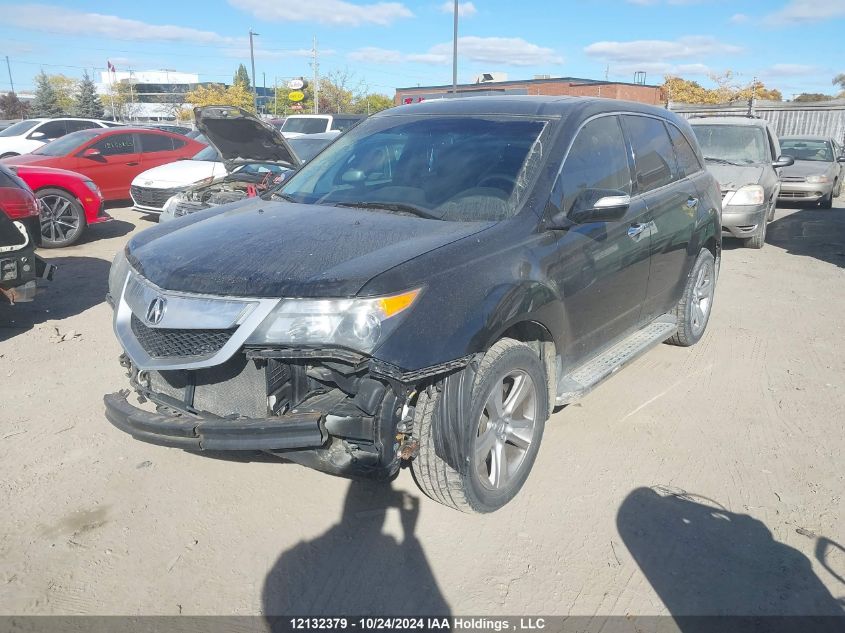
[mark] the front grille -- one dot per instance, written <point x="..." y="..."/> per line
<point x="798" y="194"/>
<point x="179" y="343"/>
<point x="792" y="179"/>
<point x="151" y="197"/>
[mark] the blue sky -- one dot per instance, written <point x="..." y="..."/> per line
<point x="792" y="45"/>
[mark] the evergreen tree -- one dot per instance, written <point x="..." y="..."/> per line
<point x="242" y="78"/>
<point x="46" y="102"/>
<point x="86" y="102"/>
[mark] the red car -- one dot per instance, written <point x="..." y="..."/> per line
<point x="19" y="235"/>
<point x="111" y="157"/>
<point x="69" y="202"/>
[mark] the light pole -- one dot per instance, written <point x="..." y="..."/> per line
<point x="455" y="53"/>
<point x="252" y="60"/>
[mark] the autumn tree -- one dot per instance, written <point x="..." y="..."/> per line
<point x="86" y="101"/>
<point x="11" y="107"/>
<point x="809" y="97"/>
<point x="121" y="101"/>
<point x="727" y="89"/>
<point x="372" y="103"/>
<point x="46" y="101"/>
<point x="218" y="94"/>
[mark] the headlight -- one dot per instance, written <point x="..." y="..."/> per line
<point x="359" y="324"/>
<point x="204" y="181"/>
<point x="117" y="275"/>
<point x="750" y="194"/>
<point x="818" y="179"/>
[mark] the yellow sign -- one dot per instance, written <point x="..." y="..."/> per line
<point x="296" y="95"/>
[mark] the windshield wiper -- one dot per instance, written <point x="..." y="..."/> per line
<point x="721" y="161"/>
<point x="399" y="207"/>
<point x="288" y="198"/>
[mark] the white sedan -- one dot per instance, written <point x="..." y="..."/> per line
<point x="152" y="188"/>
<point x="30" y="134"/>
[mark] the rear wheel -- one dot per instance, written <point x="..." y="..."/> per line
<point x="62" y="218"/>
<point x="508" y="414"/>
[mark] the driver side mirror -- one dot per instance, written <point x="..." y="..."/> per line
<point x="92" y="152"/>
<point x="783" y="161"/>
<point x="593" y="205"/>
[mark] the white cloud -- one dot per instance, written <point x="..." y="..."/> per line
<point x="261" y="53"/>
<point x="806" y="11"/>
<point x="789" y="70"/>
<point x="739" y="18"/>
<point x="498" y="51"/>
<point x="39" y="17"/>
<point x="649" y="50"/>
<point x="465" y="9"/>
<point x="331" y="12"/>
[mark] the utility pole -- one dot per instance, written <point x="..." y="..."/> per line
<point x="275" y="96"/>
<point x="132" y="112"/>
<point x="455" y="53"/>
<point x="252" y="60"/>
<point x="9" y="68"/>
<point x="316" y="66"/>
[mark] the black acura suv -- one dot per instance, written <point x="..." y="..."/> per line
<point x="425" y="291"/>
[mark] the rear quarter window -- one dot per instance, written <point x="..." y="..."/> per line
<point x="654" y="156"/>
<point x="688" y="163"/>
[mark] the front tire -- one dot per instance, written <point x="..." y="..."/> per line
<point x="694" y="308"/>
<point x="62" y="218"/>
<point x="510" y="405"/>
<point x="758" y="241"/>
<point x="827" y="201"/>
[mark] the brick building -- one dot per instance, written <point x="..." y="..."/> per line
<point x="558" y="86"/>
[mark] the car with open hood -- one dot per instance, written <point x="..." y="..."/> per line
<point x="744" y="155"/>
<point x="424" y="291"/>
<point x="249" y="171"/>
<point x="816" y="175"/>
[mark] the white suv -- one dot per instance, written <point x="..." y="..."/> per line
<point x="24" y="136"/>
<point x="299" y="124"/>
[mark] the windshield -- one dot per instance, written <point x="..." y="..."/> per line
<point x="814" y="150"/>
<point x="307" y="148"/>
<point x="19" y="128"/>
<point x="305" y="125"/>
<point x="207" y="153"/>
<point x="66" y="144"/>
<point x="741" y="144"/>
<point x="447" y="167"/>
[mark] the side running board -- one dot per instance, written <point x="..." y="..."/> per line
<point x="583" y="379"/>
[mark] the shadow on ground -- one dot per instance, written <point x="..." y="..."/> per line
<point x="812" y="232"/>
<point x="355" y="568"/>
<point x="79" y="284"/>
<point x="704" y="560"/>
<point x="106" y="230"/>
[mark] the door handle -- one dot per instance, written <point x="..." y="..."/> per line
<point x="635" y="229"/>
<point x="133" y="164"/>
<point x="692" y="203"/>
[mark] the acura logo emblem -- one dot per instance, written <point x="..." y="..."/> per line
<point x="155" y="313"/>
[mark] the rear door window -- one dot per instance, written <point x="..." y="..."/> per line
<point x="598" y="159"/>
<point x="688" y="163"/>
<point x="654" y="156"/>
<point x="75" y="126"/>
<point x="156" y="143"/>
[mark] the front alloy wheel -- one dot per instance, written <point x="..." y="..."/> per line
<point x="62" y="218"/>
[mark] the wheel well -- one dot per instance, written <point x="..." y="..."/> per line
<point x="541" y="341"/>
<point x="67" y="191"/>
<point x="710" y="245"/>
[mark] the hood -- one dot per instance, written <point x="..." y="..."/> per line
<point x="46" y="171"/>
<point x="804" y="168"/>
<point x="242" y="137"/>
<point x="278" y="249"/>
<point x="179" y="174"/>
<point x="32" y="159"/>
<point x="732" y="177"/>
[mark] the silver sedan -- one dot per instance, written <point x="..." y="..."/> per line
<point x="816" y="175"/>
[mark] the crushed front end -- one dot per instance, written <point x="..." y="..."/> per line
<point x="209" y="377"/>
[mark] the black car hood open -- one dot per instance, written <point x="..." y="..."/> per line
<point x="241" y="137"/>
<point x="281" y="249"/>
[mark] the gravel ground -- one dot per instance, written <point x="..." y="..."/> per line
<point x="697" y="481"/>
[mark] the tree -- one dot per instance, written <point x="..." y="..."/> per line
<point x="46" y="101"/>
<point x="806" y="97"/>
<point x="87" y="103"/>
<point x="121" y="101"/>
<point x="11" y="107"/>
<point x="372" y="103"/>
<point x="726" y="90"/>
<point x="242" y="78"/>
<point x="218" y="94"/>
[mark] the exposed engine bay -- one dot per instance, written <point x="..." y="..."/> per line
<point x="248" y="182"/>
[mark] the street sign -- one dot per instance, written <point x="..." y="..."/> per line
<point x="296" y="106"/>
<point x="296" y="84"/>
<point x="296" y="96"/>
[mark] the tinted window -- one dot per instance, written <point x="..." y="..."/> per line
<point x="21" y="127"/>
<point x="155" y="143"/>
<point x="687" y="160"/>
<point x="51" y="130"/>
<point x="598" y="159"/>
<point x="343" y="124"/>
<point x="75" y="126"/>
<point x="654" y="158"/>
<point x="305" y="125"/>
<point x="116" y="144"/>
<point x="178" y="142"/>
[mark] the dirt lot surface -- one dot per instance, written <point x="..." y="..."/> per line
<point x="696" y="481"/>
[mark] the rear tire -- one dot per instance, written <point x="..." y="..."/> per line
<point x="8" y="155"/>
<point x="62" y="218"/>
<point x="758" y="241"/>
<point x="696" y="304"/>
<point x="502" y="449"/>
